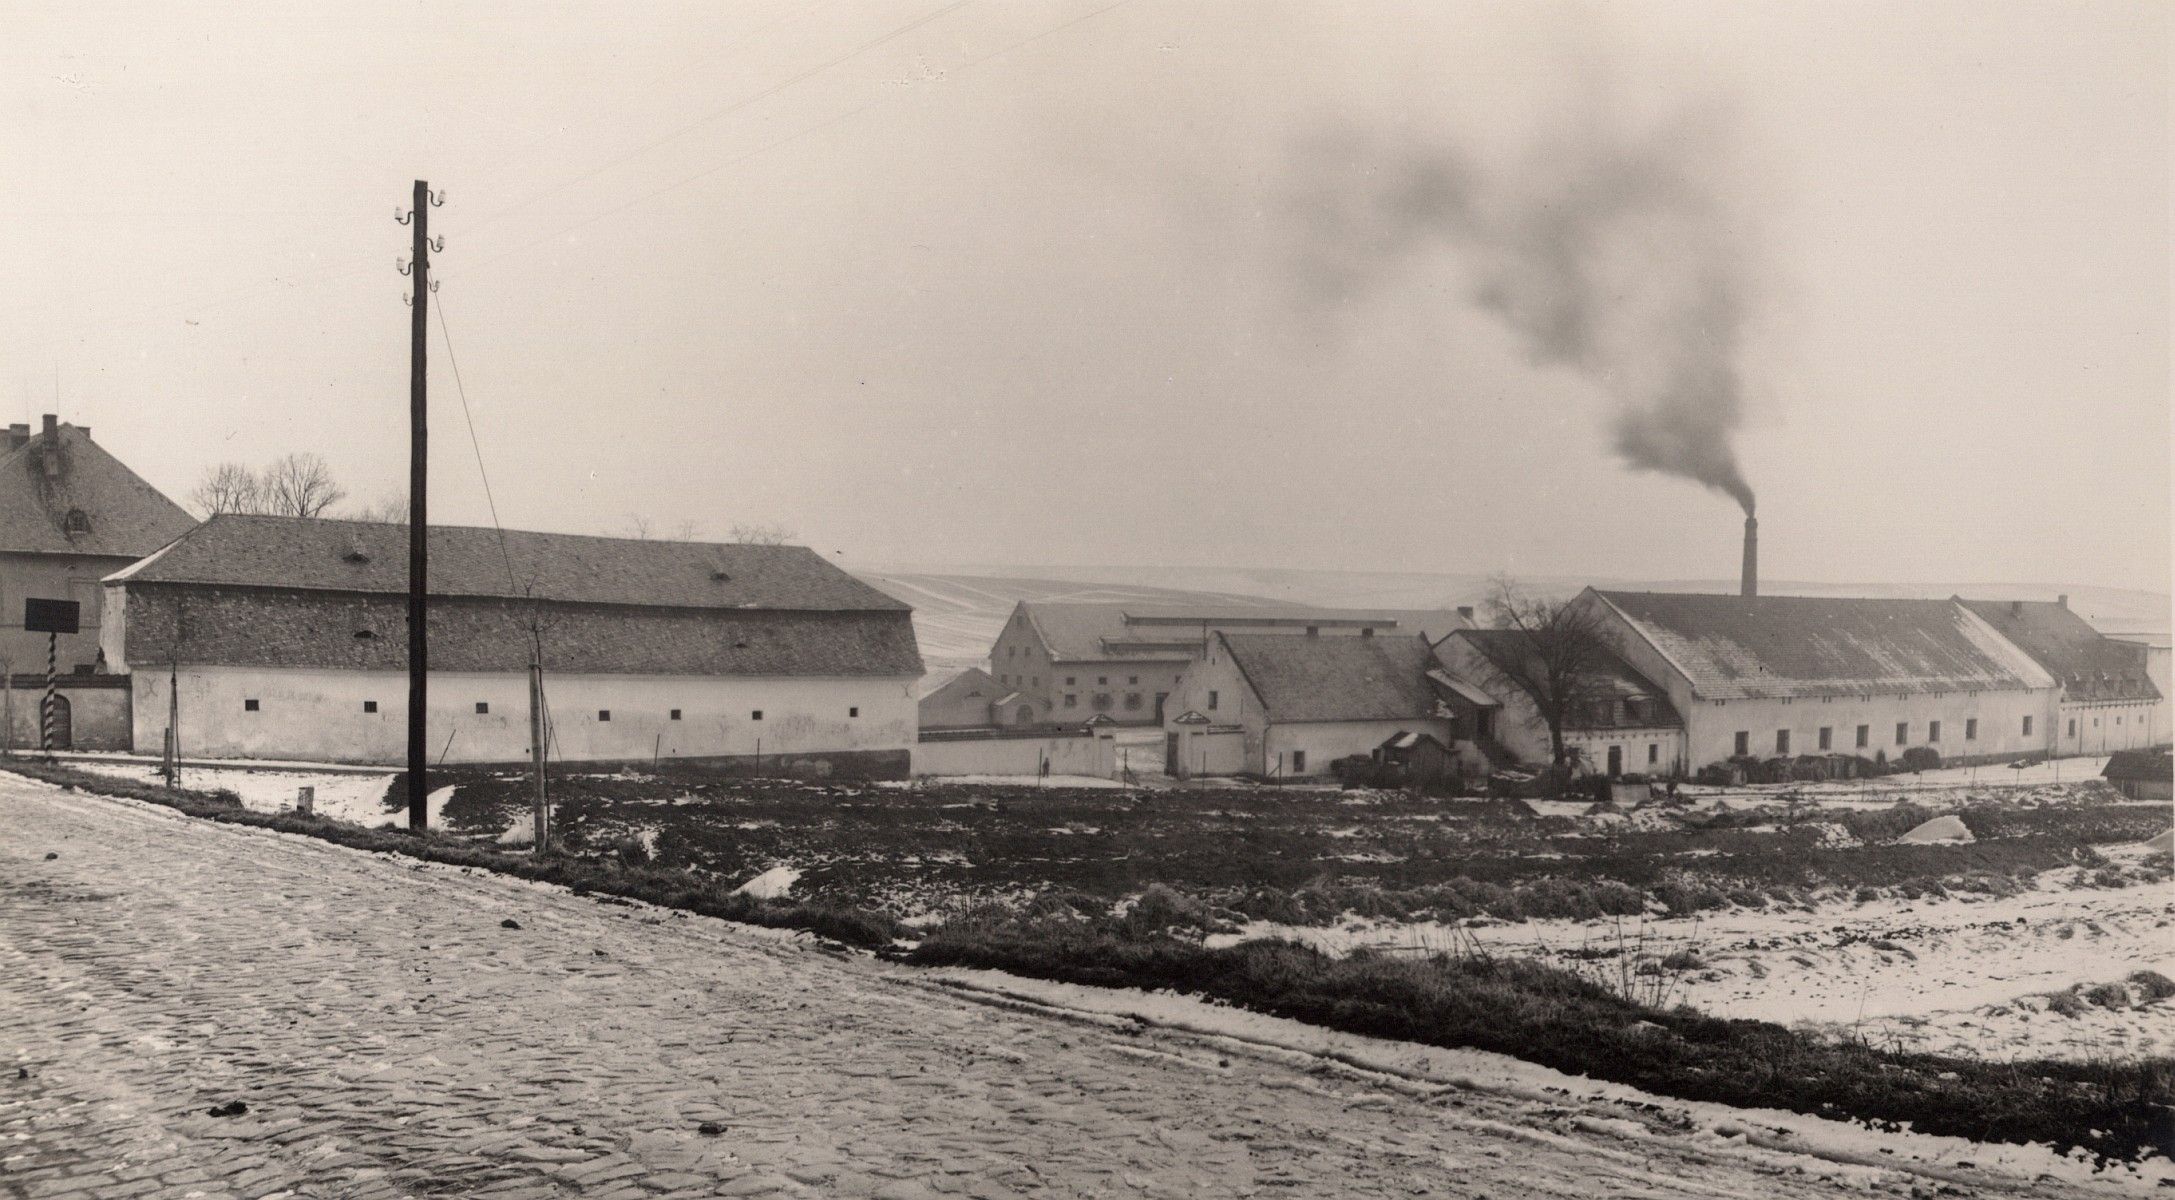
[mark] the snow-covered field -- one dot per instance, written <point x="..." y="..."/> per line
<point x="356" y="797"/>
<point x="1958" y="974"/>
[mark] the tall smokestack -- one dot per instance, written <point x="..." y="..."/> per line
<point x="1752" y="557"/>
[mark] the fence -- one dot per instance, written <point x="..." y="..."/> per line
<point x="1010" y="754"/>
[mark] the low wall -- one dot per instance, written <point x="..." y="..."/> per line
<point x="98" y="711"/>
<point x="1067" y="754"/>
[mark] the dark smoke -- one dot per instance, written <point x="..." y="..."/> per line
<point x="1608" y="252"/>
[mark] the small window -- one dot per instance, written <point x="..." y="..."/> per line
<point x="675" y="714"/>
<point x="1037" y="681"/>
<point x="1971" y="729"/>
<point x="1827" y="737"/>
<point x="370" y="706"/>
<point x="1068" y="681"/>
<point x="1653" y="752"/>
<point x="757" y="715"/>
<point x="1744" y="742"/>
<point x="604" y="714"/>
<point x="851" y="712"/>
<point x="1132" y="679"/>
<point x="1298" y="762"/>
<point x="1132" y="701"/>
<point x="1782" y="741"/>
<point x="1368" y="631"/>
<point x="1212" y="701"/>
<point x="249" y="706"/>
<point x="1072" y="700"/>
<point x="78" y="522"/>
<point x="1933" y="731"/>
<point x="1865" y="736"/>
<point x="1313" y="631"/>
<point x="1903" y="733"/>
<point x="483" y="706"/>
<point x="1101" y="679"/>
<point x="2028" y="726"/>
<point x="2073" y="727"/>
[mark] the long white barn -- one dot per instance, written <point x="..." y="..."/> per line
<point x="288" y="640"/>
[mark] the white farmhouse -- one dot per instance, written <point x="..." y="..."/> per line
<point x="1786" y="676"/>
<point x="288" y="640"/>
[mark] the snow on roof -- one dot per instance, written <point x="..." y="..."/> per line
<point x="1381" y="678"/>
<point x="1756" y="647"/>
<point x="2088" y="664"/>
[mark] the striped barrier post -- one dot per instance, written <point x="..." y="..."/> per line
<point x="52" y="667"/>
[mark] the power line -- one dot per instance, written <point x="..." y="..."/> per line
<point x="461" y="389"/>
<point x="789" y="138"/>
<point x="728" y="110"/>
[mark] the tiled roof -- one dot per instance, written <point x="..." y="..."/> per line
<point x="1085" y="632"/>
<point x="123" y="516"/>
<point x="2145" y="765"/>
<point x="1612" y="679"/>
<point x="2087" y="663"/>
<point x="1381" y="678"/>
<point x="257" y="627"/>
<point x="1757" y="647"/>
<point x="364" y="556"/>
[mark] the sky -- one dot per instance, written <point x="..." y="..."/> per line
<point x="1145" y="283"/>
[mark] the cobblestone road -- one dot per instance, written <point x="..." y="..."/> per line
<point x="390" y="1038"/>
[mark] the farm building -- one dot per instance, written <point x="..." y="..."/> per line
<point x="1784" y="676"/>
<point x="1289" y="707"/>
<point x="2142" y="774"/>
<point x="289" y="640"/>
<point x="1626" y="725"/>
<point x="2105" y="697"/>
<point x="965" y="701"/>
<point x="70" y="514"/>
<point x="1069" y="662"/>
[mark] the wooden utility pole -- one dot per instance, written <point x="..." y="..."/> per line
<point x="418" y="516"/>
<point x="541" y="816"/>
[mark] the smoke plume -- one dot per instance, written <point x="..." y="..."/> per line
<point x="1611" y="252"/>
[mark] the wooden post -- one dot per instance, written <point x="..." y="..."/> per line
<point x="540" y="816"/>
<point x="418" y="517"/>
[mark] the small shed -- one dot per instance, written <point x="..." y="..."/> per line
<point x="1418" y="756"/>
<point x="2142" y="774"/>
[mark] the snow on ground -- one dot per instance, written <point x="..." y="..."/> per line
<point x="1890" y="788"/>
<point x="349" y="796"/>
<point x="1954" y="975"/>
<point x="771" y="884"/>
<point x="1854" y="1153"/>
<point x="1055" y="781"/>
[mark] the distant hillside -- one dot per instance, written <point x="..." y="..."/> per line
<point x="958" y="610"/>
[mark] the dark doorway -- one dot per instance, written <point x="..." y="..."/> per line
<point x="1616" y="761"/>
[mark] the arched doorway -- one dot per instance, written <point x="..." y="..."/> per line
<point x="1025" y="716"/>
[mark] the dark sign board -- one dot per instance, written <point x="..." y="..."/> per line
<point x="50" y="616"/>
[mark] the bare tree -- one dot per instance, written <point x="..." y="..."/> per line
<point x="390" y="509"/>
<point x="228" y="488"/>
<point x="300" y="485"/>
<point x="761" y="534"/>
<point x="638" y="526"/>
<point x="1554" y="650"/>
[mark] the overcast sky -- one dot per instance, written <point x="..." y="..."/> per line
<point x="1040" y="282"/>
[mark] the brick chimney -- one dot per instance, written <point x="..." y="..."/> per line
<point x="1751" y="583"/>
<point x="18" y="436"/>
<point x="49" y="446"/>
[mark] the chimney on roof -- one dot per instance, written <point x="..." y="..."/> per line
<point x="1465" y="611"/>
<point x="2062" y="599"/>
<point x="49" y="446"/>
<point x="18" y="434"/>
<point x="1751" y="584"/>
<point x="2016" y="608"/>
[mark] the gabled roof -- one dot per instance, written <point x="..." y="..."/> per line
<point x="2087" y="663"/>
<point x="123" y="517"/>
<point x="963" y="686"/>
<point x="1759" y="647"/>
<point x="1612" y="677"/>
<point x="1381" y="678"/>
<point x="296" y="554"/>
<point x="1075" y="631"/>
<point x="2141" y="765"/>
<point x="1450" y="684"/>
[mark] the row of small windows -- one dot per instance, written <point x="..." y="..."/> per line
<point x="1102" y="701"/>
<point x="1865" y="735"/>
<point x="603" y="714"/>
